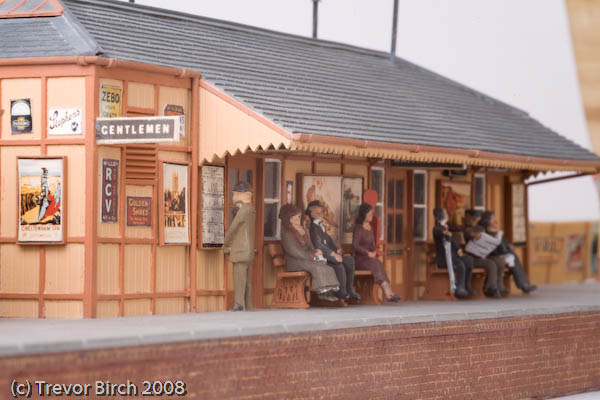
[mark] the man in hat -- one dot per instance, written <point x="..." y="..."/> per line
<point x="489" y="223"/>
<point x="342" y="265"/>
<point x="239" y="244"/>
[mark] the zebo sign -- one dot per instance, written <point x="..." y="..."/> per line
<point x="137" y="130"/>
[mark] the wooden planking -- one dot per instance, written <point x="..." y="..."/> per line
<point x="140" y="231"/>
<point x="64" y="269"/>
<point x="173" y="156"/>
<point x="357" y="170"/>
<point x="210" y="303"/>
<point x="221" y="125"/>
<point x="18" y="308"/>
<point x="293" y="167"/>
<point x="15" y="89"/>
<point x="107" y="309"/>
<point x="180" y="97"/>
<point x="136" y="307"/>
<point x="432" y="179"/>
<point x="74" y="97"/>
<point x="171" y="267"/>
<point x="75" y="183"/>
<point x="140" y="95"/>
<point x="328" y="168"/>
<point x="63" y="308"/>
<point x="107" y="272"/>
<point x="19" y="268"/>
<point x="269" y="271"/>
<point x="8" y="195"/>
<point x="109" y="229"/>
<point x="170" y="306"/>
<point x="138" y="263"/>
<point x="210" y="270"/>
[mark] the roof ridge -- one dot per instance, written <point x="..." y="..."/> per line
<point x="163" y="12"/>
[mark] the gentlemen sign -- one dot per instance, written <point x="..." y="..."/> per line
<point x="110" y="190"/>
<point x="137" y="130"/>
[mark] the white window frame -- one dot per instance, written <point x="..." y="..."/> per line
<point x="277" y="200"/>
<point x="475" y="177"/>
<point x="423" y="206"/>
<point x="380" y="199"/>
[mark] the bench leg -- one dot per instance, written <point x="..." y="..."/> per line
<point x="368" y="290"/>
<point x="290" y="293"/>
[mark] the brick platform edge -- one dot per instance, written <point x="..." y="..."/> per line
<point x="506" y="358"/>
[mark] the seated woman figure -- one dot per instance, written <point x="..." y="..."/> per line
<point x="363" y="242"/>
<point x="462" y="263"/>
<point x="301" y="256"/>
<point x="490" y="224"/>
<point x="493" y="265"/>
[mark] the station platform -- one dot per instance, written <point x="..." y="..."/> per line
<point x="541" y="345"/>
<point x="20" y="336"/>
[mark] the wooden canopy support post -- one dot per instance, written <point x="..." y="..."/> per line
<point x="194" y="131"/>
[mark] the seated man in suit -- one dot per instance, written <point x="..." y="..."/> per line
<point x="342" y="265"/>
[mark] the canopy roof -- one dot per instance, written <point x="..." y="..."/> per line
<point x="308" y="87"/>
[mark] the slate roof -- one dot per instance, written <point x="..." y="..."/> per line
<point x="306" y="85"/>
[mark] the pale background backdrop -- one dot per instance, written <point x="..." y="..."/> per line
<point x="518" y="51"/>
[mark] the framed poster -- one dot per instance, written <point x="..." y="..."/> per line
<point x="174" y="209"/>
<point x="111" y="97"/>
<point x="20" y="116"/>
<point x="139" y="211"/>
<point x="352" y="190"/>
<point x="328" y="190"/>
<point x="109" y="191"/>
<point x="41" y="199"/>
<point x="455" y="198"/>
<point x="519" y="233"/>
<point x="213" y="206"/>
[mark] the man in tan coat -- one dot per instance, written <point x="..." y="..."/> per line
<point x="239" y="244"/>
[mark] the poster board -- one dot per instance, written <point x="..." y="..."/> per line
<point x="518" y="213"/>
<point x="41" y="195"/>
<point x="213" y="207"/>
<point x="340" y="195"/>
<point x="455" y="198"/>
<point x="174" y="208"/>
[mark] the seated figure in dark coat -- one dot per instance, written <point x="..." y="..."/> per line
<point x="342" y="265"/>
<point x="493" y="265"/>
<point x="462" y="263"/>
<point x="489" y="223"/>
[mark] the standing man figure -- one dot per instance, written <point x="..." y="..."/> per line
<point x="239" y="244"/>
<point x="342" y="265"/>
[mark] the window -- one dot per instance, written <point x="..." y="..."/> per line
<point x="479" y="192"/>
<point x="378" y="184"/>
<point x="420" y="205"/>
<point x="272" y="198"/>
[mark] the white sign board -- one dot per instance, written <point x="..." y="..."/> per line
<point x="65" y="121"/>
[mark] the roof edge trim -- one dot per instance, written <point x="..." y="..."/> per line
<point x="468" y="156"/>
<point x="102" y="62"/>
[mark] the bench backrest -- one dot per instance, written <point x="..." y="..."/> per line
<point x="278" y="256"/>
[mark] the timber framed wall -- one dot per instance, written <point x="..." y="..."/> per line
<point x="47" y="280"/>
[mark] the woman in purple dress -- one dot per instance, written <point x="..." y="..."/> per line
<point x="365" y="256"/>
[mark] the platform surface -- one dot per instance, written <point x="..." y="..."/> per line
<point x="20" y="336"/>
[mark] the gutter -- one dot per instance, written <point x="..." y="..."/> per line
<point x="103" y="62"/>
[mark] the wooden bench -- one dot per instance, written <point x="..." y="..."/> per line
<point x="437" y="284"/>
<point x="292" y="288"/>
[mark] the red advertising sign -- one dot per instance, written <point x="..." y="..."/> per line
<point x="109" y="198"/>
<point x="139" y="211"/>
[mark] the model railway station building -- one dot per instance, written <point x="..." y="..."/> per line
<point x="123" y="129"/>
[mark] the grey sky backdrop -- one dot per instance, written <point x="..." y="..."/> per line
<point x="518" y="51"/>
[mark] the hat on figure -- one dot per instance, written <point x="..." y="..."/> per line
<point x="314" y="203"/>
<point x="438" y="214"/>
<point x="486" y="217"/>
<point x="242" y="187"/>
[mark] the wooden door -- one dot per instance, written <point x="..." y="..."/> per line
<point x="398" y="233"/>
<point x="244" y="168"/>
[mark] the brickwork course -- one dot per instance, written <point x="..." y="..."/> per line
<point x="541" y="355"/>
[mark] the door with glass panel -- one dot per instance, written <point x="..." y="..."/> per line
<point x="398" y="233"/>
